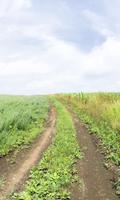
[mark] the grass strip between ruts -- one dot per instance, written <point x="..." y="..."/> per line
<point x="51" y="178"/>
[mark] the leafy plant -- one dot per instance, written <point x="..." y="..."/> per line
<point x="49" y="180"/>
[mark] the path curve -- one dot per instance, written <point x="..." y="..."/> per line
<point x="16" y="177"/>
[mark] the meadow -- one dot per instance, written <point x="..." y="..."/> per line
<point x="21" y="120"/>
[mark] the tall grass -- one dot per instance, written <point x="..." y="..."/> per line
<point x="21" y="118"/>
<point x="100" y="106"/>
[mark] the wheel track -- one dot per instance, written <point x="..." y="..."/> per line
<point x="97" y="180"/>
<point x="16" y="179"/>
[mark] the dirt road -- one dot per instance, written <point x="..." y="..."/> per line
<point x="15" y="175"/>
<point x="96" y="179"/>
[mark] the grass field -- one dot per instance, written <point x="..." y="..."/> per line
<point x="21" y="119"/>
<point x="101" y="112"/>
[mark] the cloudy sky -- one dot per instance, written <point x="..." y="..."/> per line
<point x="49" y="46"/>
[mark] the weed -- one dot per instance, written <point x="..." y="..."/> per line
<point x="49" y="180"/>
<point x="2" y="182"/>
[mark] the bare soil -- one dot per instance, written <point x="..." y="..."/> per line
<point x="14" y="174"/>
<point x="96" y="181"/>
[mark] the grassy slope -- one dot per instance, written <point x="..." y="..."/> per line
<point x="21" y="119"/>
<point x="49" y="180"/>
<point x="102" y="114"/>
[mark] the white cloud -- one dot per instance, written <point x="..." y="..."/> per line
<point x="9" y="7"/>
<point x="103" y="58"/>
<point x="52" y="64"/>
<point x="107" y="21"/>
<point x="41" y="84"/>
<point x="63" y="63"/>
<point x="98" y="22"/>
<point x="24" y="67"/>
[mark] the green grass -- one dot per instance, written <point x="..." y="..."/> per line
<point x="21" y="119"/>
<point x="51" y="178"/>
<point x="101" y="112"/>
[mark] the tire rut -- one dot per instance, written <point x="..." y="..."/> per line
<point x="16" y="179"/>
<point x="96" y="179"/>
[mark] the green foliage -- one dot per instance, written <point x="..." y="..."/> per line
<point x="21" y="118"/>
<point x="2" y="182"/>
<point x="49" y="180"/>
<point x="101" y="113"/>
<point x="117" y="184"/>
<point x="111" y="115"/>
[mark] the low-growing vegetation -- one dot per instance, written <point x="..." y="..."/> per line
<point x="50" y="179"/>
<point x="21" y="119"/>
<point x="101" y="112"/>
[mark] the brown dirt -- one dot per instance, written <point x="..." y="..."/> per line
<point x="15" y="174"/>
<point x="96" y="180"/>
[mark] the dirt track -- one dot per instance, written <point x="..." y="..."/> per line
<point x="96" y="179"/>
<point x="96" y="183"/>
<point x="16" y="175"/>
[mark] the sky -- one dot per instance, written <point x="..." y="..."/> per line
<point x="49" y="46"/>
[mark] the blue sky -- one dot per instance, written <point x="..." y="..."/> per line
<point x="49" y="46"/>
